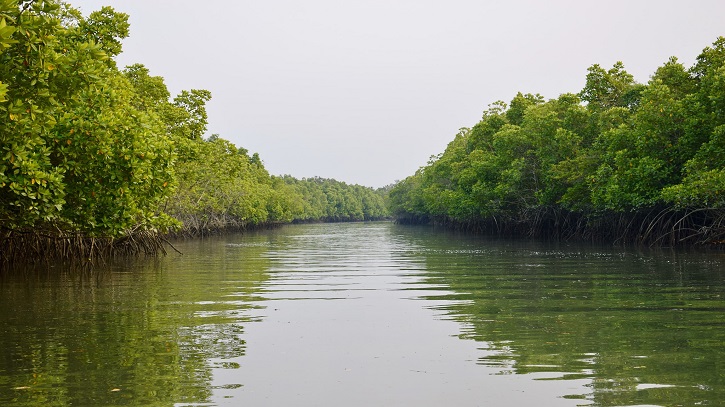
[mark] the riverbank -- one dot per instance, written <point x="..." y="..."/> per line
<point x="18" y="247"/>
<point x="618" y="161"/>
<point x="658" y="227"/>
<point x="98" y="160"/>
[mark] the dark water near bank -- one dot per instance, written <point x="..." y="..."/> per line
<point x="369" y="315"/>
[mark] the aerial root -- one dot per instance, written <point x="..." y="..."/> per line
<point x="54" y="246"/>
<point x="656" y="227"/>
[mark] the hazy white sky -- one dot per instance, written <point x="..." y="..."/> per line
<point x="365" y="91"/>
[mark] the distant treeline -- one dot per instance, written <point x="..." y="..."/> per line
<point x="97" y="160"/>
<point x="619" y="161"/>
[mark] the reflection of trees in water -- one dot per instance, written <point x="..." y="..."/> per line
<point x="142" y="332"/>
<point x="641" y="328"/>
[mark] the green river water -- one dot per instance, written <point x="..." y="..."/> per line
<point x="369" y="314"/>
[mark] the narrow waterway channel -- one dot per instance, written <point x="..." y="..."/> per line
<point x="368" y="314"/>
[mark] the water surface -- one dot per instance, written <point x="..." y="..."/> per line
<point x="369" y="314"/>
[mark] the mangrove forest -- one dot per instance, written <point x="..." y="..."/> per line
<point x="97" y="160"/>
<point x="618" y="161"/>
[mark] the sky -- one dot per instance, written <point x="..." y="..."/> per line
<point x="366" y="91"/>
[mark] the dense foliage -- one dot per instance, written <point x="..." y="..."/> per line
<point x="223" y="187"/>
<point x="91" y="151"/>
<point x="220" y="186"/>
<point x="328" y="200"/>
<point x="75" y="153"/>
<point x="617" y="160"/>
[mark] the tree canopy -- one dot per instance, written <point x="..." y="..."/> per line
<point x="76" y="153"/>
<point x="94" y="151"/>
<point x="616" y="159"/>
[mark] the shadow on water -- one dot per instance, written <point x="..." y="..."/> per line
<point x="369" y="314"/>
<point x="132" y="332"/>
<point x="643" y="327"/>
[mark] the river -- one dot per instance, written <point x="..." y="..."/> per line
<point x="369" y="314"/>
